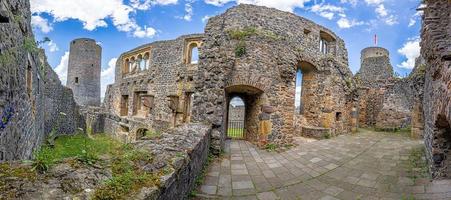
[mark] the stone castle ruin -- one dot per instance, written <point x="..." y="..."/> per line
<point x="83" y="72"/>
<point x="182" y="88"/>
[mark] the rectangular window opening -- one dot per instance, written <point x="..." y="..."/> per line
<point x="76" y="79"/>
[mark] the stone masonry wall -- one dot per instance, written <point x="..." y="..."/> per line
<point x="265" y="74"/>
<point x="159" y="95"/>
<point x="83" y="71"/>
<point x="436" y="50"/>
<point x="27" y="111"/>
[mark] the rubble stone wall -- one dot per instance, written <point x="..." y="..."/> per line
<point x="436" y="51"/>
<point x="31" y="95"/>
<point x="275" y="44"/>
<point x="156" y="93"/>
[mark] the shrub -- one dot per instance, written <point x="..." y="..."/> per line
<point x="240" y="49"/>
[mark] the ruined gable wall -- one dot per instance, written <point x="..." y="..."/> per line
<point x="26" y="111"/>
<point x="268" y="65"/>
<point x="167" y="75"/>
<point x="436" y="50"/>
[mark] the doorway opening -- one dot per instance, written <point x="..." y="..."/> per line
<point x="235" y="124"/>
<point x="443" y="138"/>
<point x="251" y="99"/>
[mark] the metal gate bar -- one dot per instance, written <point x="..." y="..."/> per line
<point x="235" y="129"/>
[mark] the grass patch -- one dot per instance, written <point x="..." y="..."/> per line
<point x="417" y="164"/>
<point x="152" y="134"/>
<point x="235" y="132"/>
<point x="78" y="146"/>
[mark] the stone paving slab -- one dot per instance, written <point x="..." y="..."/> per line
<point x="367" y="165"/>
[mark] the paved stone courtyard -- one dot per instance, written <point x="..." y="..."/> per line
<point x="366" y="165"/>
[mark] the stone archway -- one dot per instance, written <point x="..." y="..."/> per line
<point x="253" y="99"/>
<point x="442" y="147"/>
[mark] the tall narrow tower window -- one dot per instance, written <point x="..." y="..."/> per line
<point x="29" y="78"/>
<point x="76" y="79"/>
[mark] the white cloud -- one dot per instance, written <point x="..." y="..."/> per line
<point x="188" y="11"/>
<point x="52" y="46"/>
<point x="205" y="18"/>
<point x="107" y="76"/>
<point x="146" y="32"/>
<point x="382" y="13"/>
<point x="217" y="2"/>
<point x="146" y="4"/>
<point x="374" y="2"/>
<point x="328" y="11"/>
<point x="94" y="13"/>
<point x="415" y="17"/>
<point x="410" y="50"/>
<point x="352" y="2"/>
<point x="346" y="23"/>
<point x="285" y="5"/>
<point x="41" y="23"/>
<point x="61" y="69"/>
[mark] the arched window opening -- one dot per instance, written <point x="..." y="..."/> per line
<point x="304" y="82"/>
<point x="193" y="54"/>
<point x="323" y="46"/>
<point x="297" y="96"/>
<point x="146" y="60"/>
<point x="126" y="66"/>
<point x="235" y="126"/>
<point x="326" y="42"/>
<point x="141" y="63"/>
<point x="133" y="65"/>
<point x="29" y="79"/>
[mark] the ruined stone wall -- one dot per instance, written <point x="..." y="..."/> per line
<point x="26" y="81"/>
<point x="158" y="93"/>
<point x="385" y="102"/>
<point x="265" y="74"/>
<point x="61" y="113"/>
<point x="397" y="106"/>
<point x="178" y="157"/>
<point x="83" y="71"/>
<point x="436" y="50"/>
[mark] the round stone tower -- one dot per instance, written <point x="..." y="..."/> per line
<point x="375" y="67"/>
<point x="83" y="75"/>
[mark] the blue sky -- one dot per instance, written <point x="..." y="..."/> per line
<point x="120" y="25"/>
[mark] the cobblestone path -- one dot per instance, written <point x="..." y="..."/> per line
<point x="366" y="165"/>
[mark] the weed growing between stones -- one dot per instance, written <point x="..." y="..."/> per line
<point x="240" y="49"/>
<point x="30" y="45"/>
<point x="242" y="34"/>
<point x="271" y="147"/>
